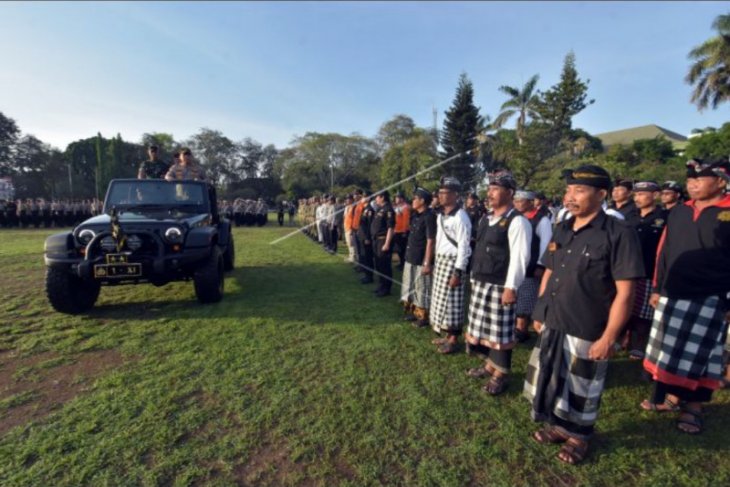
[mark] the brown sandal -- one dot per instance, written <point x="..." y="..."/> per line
<point x="495" y="385"/>
<point x="573" y="451"/>
<point x="668" y="406"/>
<point x="549" y="435"/>
<point x="448" y="347"/>
<point x="439" y="340"/>
<point x="478" y="372"/>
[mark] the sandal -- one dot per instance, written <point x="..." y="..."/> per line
<point x="478" y="372"/>
<point x="690" y="419"/>
<point x="573" y="451"/>
<point x="549" y="435"/>
<point x="668" y="406"/>
<point x="439" y="341"/>
<point x="495" y="385"/>
<point x="447" y="347"/>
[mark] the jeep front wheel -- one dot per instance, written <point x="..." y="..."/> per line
<point x="208" y="278"/>
<point x="229" y="257"/>
<point x="68" y="293"/>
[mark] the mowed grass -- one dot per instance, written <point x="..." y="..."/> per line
<point x="298" y="377"/>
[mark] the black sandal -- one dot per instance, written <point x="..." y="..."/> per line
<point x="690" y="418"/>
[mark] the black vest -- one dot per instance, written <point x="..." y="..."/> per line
<point x="534" y="245"/>
<point x="490" y="261"/>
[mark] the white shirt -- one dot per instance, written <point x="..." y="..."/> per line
<point x="458" y="227"/>
<point x="519" y="235"/>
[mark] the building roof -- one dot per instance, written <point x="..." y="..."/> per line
<point x="627" y="136"/>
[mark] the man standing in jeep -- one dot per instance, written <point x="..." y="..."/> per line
<point x="153" y="168"/>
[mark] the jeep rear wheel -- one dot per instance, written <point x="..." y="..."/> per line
<point x="68" y="293"/>
<point x="229" y="257"/>
<point x="208" y="278"/>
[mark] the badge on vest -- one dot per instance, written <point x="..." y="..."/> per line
<point x="658" y="222"/>
<point x="502" y="222"/>
<point x="724" y="216"/>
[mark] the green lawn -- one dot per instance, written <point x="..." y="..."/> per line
<point x="298" y="377"/>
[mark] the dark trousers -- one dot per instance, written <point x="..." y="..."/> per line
<point x="365" y="257"/>
<point x="333" y="239"/>
<point x="659" y="394"/>
<point x="280" y="218"/>
<point x="400" y="242"/>
<point x="383" y="264"/>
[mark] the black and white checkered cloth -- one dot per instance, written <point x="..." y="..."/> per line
<point x="527" y="296"/>
<point x="562" y="380"/>
<point x="642" y="294"/>
<point x="447" y="304"/>
<point x="489" y="321"/>
<point x="415" y="287"/>
<point x="686" y="341"/>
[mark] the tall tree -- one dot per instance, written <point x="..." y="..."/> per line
<point x="710" y="71"/>
<point x="416" y="153"/>
<point x="395" y="132"/>
<point x="462" y="125"/>
<point x="522" y="103"/>
<point x="9" y="134"/>
<point x="216" y="153"/>
<point x="558" y="105"/>
<point x="164" y="141"/>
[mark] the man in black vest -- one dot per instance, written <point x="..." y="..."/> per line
<point x="585" y="301"/>
<point x="671" y="194"/>
<point x="623" y="201"/>
<point x="542" y="232"/>
<point x="649" y="227"/>
<point x="382" y="229"/>
<point x="691" y="289"/>
<point x="498" y="265"/>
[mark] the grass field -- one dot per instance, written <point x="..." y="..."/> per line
<point x="298" y="377"/>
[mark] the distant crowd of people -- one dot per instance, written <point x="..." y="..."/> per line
<point x="648" y="273"/>
<point x="42" y="213"/>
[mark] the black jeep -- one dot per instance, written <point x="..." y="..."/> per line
<point x="151" y="231"/>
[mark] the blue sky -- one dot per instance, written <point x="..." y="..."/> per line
<point x="272" y="71"/>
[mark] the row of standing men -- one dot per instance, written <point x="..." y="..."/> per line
<point x="37" y="212"/>
<point x="654" y="280"/>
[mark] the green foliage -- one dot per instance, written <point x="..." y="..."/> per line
<point x="395" y="132"/>
<point x="315" y="161"/>
<point x="522" y="102"/>
<point x="710" y="71"/>
<point x="558" y="105"/>
<point x="462" y="125"/>
<point x="165" y="143"/>
<point x="712" y="143"/>
<point x="407" y="158"/>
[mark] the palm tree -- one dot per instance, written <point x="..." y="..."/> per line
<point x="522" y="102"/>
<point x="710" y="72"/>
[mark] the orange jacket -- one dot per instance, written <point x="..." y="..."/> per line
<point x="347" y="221"/>
<point x="402" y="218"/>
<point x="357" y="214"/>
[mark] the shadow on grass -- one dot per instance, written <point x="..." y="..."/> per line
<point x="318" y="293"/>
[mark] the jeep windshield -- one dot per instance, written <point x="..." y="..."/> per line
<point x="146" y="196"/>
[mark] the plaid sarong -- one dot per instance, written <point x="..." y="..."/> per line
<point x="642" y="293"/>
<point x="527" y="296"/>
<point x="447" y="304"/>
<point x="415" y="287"/>
<point x="686" y="343"/>
<point x="562" y="380"/>
<point x="490" y="322"/>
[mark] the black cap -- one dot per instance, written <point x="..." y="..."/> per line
<point x="503" y="179"/>
<point x="672" y="186"/>
<point x="423" y="194"/>
<point x="472" y="196"/>
<point x="540" y="195"/>
<point x="626" y="183"/>
<point x="399" y="194"/>
<point x="718" y="168"/>
<point x="589" y="175"/>
<point x="153" y="147"/>
<point x="646" y="186"/>
<point x="450" y="183"/>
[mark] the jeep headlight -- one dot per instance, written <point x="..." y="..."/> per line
<point x="85" y="236"/>
<point x="173" y="235"/>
